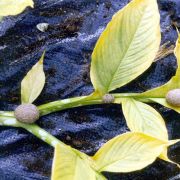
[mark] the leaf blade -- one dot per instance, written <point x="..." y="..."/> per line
<point x="158" y="94"/>
<point x="128" y="152"/>
<point x="128" y="56"/>
<point x="141" y="117"/>
<point x="67" y="165"/>
<point x="33" y="82"/>
<point x="14" y="7"/>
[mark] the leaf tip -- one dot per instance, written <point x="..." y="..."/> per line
<point x="32" y="4"/>
<point x="42" y="57"/>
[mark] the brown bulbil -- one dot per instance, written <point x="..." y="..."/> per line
<point x="27" y="113"/>
<point x="173" y="97"/>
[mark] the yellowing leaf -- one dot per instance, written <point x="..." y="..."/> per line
<point x="33" y="82"/>
<point x="158" y="94"/>
<point x="127" y="47"/>
<point x="67" y="165"/>
<point x="14" y="7"/>
<point x="143" y="118"/>
<point x="128" y="152"/>
<point x="164" y="154"/>
<point x="163" y="102"/>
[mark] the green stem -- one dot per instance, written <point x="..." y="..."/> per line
<point x="42" y="134"/>
<point x="83" y="101"/>
<point x="36" y="131"/>
<point x="9" y="121"/>
<point x="7" y="113"/>
<point x="68" y="103"/>
<point x="119" y="96"/>
<point x="32" y="128"/>
<point x="124" y="95"/>
<point x="79" y="101"/>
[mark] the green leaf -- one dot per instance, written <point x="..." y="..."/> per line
<point x="158" y="94"/>
<point x="33" y="82"/>
<point x="68" y="165"/>
<point x="143" y="118"/>
<point x="127" y="47"/>
<point x="128" y="152"/>
<point x="14" y="7"/>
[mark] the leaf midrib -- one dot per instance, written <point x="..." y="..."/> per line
<point x="110" y="83"/>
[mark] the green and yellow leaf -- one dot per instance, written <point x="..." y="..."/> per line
<point x="141" y="117"/>
<point x="158" y="94"/>
<point x="33" y="82"/>
<point x="68" y="165"/>
<point x="128" y="152"/>
<point x="14" y="7"/>
<point x="127" y="47"/>
<point x="163" y="102"/>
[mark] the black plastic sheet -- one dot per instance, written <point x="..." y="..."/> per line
<point x="74" y="29"/>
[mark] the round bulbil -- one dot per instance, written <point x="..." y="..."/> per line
<point x="108" y="98"/>
<point x="27" y="113"/>
<point x="173" y="97"/>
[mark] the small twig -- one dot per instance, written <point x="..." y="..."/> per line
<point x="164" y="51"/>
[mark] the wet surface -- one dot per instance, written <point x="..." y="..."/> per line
<point x="74" y="27"/>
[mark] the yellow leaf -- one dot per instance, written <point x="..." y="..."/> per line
<point x="163" y="102"/>
<point x="164" y="154"/>
<point x="127" y="47"/>
<point x="68" y="165"/>
<point x="33" y="82"/>
<point x="172" y="142"/>
<point x="141" y="117"/>
<point x="158" y="94"/>
<point x="128" y="152"/>
<point x="14" y="7"/>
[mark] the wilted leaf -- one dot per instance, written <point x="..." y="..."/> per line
<point x="127" y="47"/>
<point x="14" y="7"/>
<point x="128" y="152"/>
<point x="141" y="117"/>
<point x="33" y="82"/>
<point x="67" y="165"/>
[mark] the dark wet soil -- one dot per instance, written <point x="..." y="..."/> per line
<point x="74" y="29"/>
